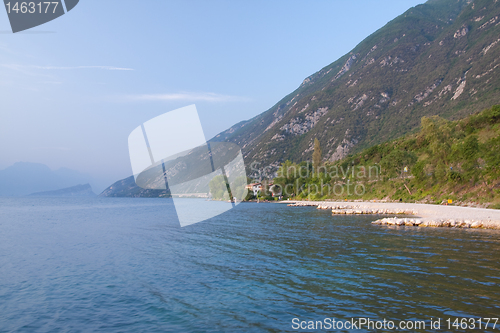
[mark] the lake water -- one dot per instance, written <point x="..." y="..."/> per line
<point x="125" y="265"/>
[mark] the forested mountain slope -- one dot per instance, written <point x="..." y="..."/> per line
<point x="439" y="58"/>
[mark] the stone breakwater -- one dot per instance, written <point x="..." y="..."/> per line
<point x="355" y="209"/>
<point x="438" y="223"/>
<point x="422" y="215"/>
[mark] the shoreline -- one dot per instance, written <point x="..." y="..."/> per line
<point x="422" y="215"/>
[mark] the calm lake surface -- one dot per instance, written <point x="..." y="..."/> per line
<point x="125" y="265"/>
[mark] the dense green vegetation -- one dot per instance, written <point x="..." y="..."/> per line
<point x="220" y="189"/>
<point x="445" y="160"/>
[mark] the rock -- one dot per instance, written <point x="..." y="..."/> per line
<point x="432" y="223"/>
<point x="491" y="224"/>
<point x="476" y="224"/>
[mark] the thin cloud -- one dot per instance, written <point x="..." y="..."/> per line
<point x="107" y="68"/>
<point x="55" y="148"/>
<point x="189" y="96"/>
<point x="24" y="67"/>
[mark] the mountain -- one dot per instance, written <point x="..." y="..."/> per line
<point x="127" y="188"/>
<point x="73" y="191"/>
<point x="24" y="178"/>
<point x="438" y="58"/>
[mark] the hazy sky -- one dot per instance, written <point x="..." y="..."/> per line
<point x="73" y="89"/>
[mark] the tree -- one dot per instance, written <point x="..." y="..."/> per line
<point x="219" y="188"/>
<point x="395" y="162"/>
<point x="316" y="155"/>
<point x="470" y="151"/>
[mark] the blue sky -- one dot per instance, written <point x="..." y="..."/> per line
<point x="73" y="89"/>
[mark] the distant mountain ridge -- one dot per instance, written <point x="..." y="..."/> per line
<point x="128" y="188"/>
<point x="24" y="178"/>
<point x="438" y="58"/>
<point x="84" y="190"/>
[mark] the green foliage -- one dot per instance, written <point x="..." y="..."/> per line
<point x="445" y="160"/>
<point x="316" y="155"/>
<point x="238" y="188"/>
<point x="418" y="170"/>
<point x="395" y="162"/>
<point x="219" y="188"/>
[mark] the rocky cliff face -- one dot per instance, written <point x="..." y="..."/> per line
<point x="439" y="58"/>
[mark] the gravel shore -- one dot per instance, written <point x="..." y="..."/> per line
<point x="421" y="215"/>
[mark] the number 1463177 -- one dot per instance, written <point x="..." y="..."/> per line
<point x="31" y="7"/>
<point x="472" y="323"/>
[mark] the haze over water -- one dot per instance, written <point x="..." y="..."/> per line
<point x="105" y="264"/>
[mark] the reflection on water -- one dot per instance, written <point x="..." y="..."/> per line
<point x="126" y="265"/>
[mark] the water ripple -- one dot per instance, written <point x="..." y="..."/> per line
<point x="124" y="265"/>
